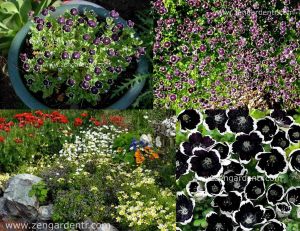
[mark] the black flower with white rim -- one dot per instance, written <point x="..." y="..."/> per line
<point x="235" y="182"/>
<point x="214" y="187"/>
<point x="216" y="119"/>
<point x="275" y="193"/>
<point x="273" y="225"/>
<point x="196" y="140"/>
<point x="224" y="150"/>
<point x="178" y="229"/>
<point x="237" y="228"/>
<point x="228" y="203"/>
<point x="218" y="222"/>
<point x="294" y="162"/>
<point x="268" y="128"/>
<point x="269" y="213"/>
<point x="189" y="119"/>
<point x="194" y="188"/>
<point x="184" y="208"/>
<point x="205" y="164"/>
<point x="255" y="188"/>
<point x="249" y="215"/>
<point x="272" y="163"/>
<point x="283" y="209"/>
<point x="280" y="140"/>
<point x="281" y="118"/>
<point x="247" y="146"/>
<point x="240" y="121"/>
<point x="235" y="166"/>
<point x="182" y="166"/>
<point x="294" y="133"/>
<point x="293" y="196"/>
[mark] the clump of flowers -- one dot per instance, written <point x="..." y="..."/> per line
<point x="220" y="54"/>
<point x="239" y="170"/>
<point x="78" y="56"/>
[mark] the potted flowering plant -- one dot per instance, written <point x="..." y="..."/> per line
<point x="75" y="56"/>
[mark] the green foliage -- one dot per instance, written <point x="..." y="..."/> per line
<point x="40" y="191"/>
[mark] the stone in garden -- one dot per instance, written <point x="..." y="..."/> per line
<point x="3" y="209"/>
<point x="45" y="212"/>
<point x="18" y="201"/>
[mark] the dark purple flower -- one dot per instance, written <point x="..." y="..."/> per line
<point x="76" y="55"/>
<point x="92" y="23"/>
<point x="106" y="40"/>
<point x="65" y="55"/>
<point x="92" y="52"/>
<point x="85" y="85"/>
<point x="173" y="97"/>
<point x="71" y="82"/>
<point x="66" y="28"/>
<point x="98" y="84"/>
<point x="74" y="11"/>
<point x="61" y="20"/>
<point x="40" y="61"/>
<point x="69" y="22"/>
<point x="39" y="27"/>
<point x="97" y="70"/>
<point x="94" y="90"/>
<point x="114" y="14"/>
<point x="45" y="12"/>
<point x="130" y="23"/>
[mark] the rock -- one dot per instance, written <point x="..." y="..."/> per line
<point x="18" y="201"/>
<point x="45" y="212"/>
<point x="107" y="227"/>
<point x="3" y="209"/>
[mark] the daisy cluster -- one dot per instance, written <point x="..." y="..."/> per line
<point x="78" y="52"/>
<point x="95" y="140"/>
<point x="247" y="166"/>
<point x="220" y="54"/>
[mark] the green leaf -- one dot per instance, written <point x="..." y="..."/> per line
<point x="24" y="7"/>
<point x="197" y="223"/>
<point x="9" y="7"/>
<point x="41" y="6"/>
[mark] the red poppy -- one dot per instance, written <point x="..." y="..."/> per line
<point x="2" y="139"/>
<point x="78" y="122"/>
<point x="2" y="120"/>
<point x="97" y="123"/>
<point x="84" y="115"/>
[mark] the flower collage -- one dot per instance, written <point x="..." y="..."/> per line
<point x="150" y="115"/>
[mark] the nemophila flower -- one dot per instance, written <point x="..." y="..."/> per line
<point x="235" y="182"/>
<point x="216" y="119"/>
<point x="214" y="187"/>
<point x="272" y="225"/>
<point x="195" y="189"/>
<point x="269" y="213"/>
<point x="182" y="166"/>
<point x="294" y="133"/>
<point x="234" y="166"/>
<point x="184" y="208"/>
<point x="275" y="193"/>
<point x="283" y="209"/>
<point x="249" y="216"/>
<point x="239" y="120"/>
<point x="255" y="188"/>
<point x="272" y="163"/>
<point x="228" y="203"/>
<point x="294" y="162"/>
<point x="224" y="150"/>
<point x="205" y="164"/>
<point x="281" y="117"/>
<point x="196" y="140"/>
<point x="280" y="140"/>
<point x="247" y="146"/>
<point x="293" y="196"/>
<point x="189" y="119"/>
<point x="217" y="221"/>
<point x="268" y="128"/>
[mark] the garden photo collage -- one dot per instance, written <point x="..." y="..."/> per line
<point x="150" y="115"/>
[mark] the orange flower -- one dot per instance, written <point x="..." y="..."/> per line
<point x="155" y="155"/>
<point x="1" y="139"/>
<point x="139" y="158"/>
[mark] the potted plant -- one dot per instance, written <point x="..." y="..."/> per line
<point x="75" y="56"/>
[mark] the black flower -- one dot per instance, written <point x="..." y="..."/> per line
<point x="249" y="215"/>
<point x="273" y="225"/>
<point x="214" y="187"/>
<point x="255" y="189"/>
<point x="274" y="193"/>
<point x="189" y="119"/>
<point x="247" y="146"/>
<point x="269" y="213"/>
<point x="223" y="149"/>
<point x="272" y="163"/>
<point x="193" y="188"/>
<point x="268" y="128"/>
<point x="205" y="164"/>
<point x="235" y="166"/>
<point x="216" y="119"/>
<point x="184" y="208"/>
<point x="196" y="140"/>
<point x="281" y="118"/>
<point x="280" y="140"/>
<point x="181" y="164"/>
<point x="294" y="162"/>
<point x="294" y="133"/>
<point x="240" y="121"/>
<point x="235" y="182"/>
<point x="218" y="222"/>
<point x="293" y="196"/>
<point x="283" y="209"/>
<point x="229" y="202"/>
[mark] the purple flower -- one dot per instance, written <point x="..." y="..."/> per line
<point x="114" y="14"/>
<point x="74" y="11"/>
<point x="130" y="23"/>
<point x="76" y="55"/>
<point x="92" y="23"/>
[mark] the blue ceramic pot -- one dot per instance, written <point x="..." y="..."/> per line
<point x="15" y="75"/>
